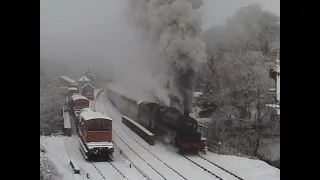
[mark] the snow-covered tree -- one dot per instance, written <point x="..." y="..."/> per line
<point x="50" y="107"/>
<point x="236" y="76"/>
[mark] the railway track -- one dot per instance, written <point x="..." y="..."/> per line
<point x="205" y="169"/>
<point x="146" y="150"/>
<point x="100" y="173"/>
<point x="210" y="167"/>
<point x="226" y="173"/>
<point x="94" y="164"/>
<point x="91" y="162"/>
<point x="185" y="178"/>
<point x="215" y="164"/>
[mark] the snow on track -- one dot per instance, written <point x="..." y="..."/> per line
<point x="221" y="168"/>
<point x="248" y="169"/>
<point x="211" y="168"/>
<point x="176" y="163"/>
<point x="243" y="168"/>
<point x="155" y="164"/>
<point x="104" y="168"/>
<point x="107" y="170"/>
<point x="169" y="155"/>
<point x="139" y="163"/>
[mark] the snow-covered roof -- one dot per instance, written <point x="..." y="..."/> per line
<point x="89" y="115"/>
<point x="65" y="78"/>
<point x="197" y="94"/>
<point x="88" y="84"/>
<point x="72" y="88"/>
<point x="91" y="74"/>
<point x="275" y="107"/>
<point x="77" y="96"/>
<point x="84" y="78"/>
<point x="145" y="101"/>
<point x="85" y="109"/>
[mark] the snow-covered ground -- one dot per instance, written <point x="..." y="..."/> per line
<point x="248" y="169"/>
<point x="60" y="149"/>
<point x="95" y="92"/>
<point x="139" y="160"/>
<point x="55" y="151"/>
<point x="168" y="156"/>
<point x="139" y="156"/>
<point x="242" y="167"/>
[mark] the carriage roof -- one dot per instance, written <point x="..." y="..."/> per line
<point x="77" y="97"/>
<point x="142" y="102"/>
<point x="90" y="115"/>
<point x="72" y="88"/>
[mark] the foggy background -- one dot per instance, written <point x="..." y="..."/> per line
<point x="80" y="34"/>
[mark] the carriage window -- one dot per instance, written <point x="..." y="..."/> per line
<point x="105" y="125"/>
<point x="98" y="125"/>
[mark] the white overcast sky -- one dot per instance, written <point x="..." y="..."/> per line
<point x="78" y="30"/>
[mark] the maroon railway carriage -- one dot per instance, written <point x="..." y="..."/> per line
<point x="95" y="134"/>
<point x="77" y="103"/>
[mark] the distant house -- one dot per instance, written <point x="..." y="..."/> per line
<point x="88" y="91"/>
<point x="63" y="81"/>
<point x="83" y="80"/>
<point x="89" y="75"/>
<point x="75" y="85"/>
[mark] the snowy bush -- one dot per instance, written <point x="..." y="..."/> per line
<point x="47" y="169"/>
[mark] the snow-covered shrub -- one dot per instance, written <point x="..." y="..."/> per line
<point x="48" y="170"/>
<point x="51" y="100"/>
<point x="236" y="79"/>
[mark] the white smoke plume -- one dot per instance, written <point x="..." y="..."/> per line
<point x="174" y="25"/>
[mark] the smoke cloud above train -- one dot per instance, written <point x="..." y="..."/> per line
<point x="174" y="26"/>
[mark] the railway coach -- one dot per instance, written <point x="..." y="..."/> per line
<point x="77" y="103"/>
<point x="95" y="134"/>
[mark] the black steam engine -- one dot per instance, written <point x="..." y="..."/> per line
<point x="158" y="118"/>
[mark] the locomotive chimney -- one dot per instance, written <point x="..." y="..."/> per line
<point x="186" y="107"/>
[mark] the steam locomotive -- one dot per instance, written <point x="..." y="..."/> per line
<point x="159" y="119"/>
